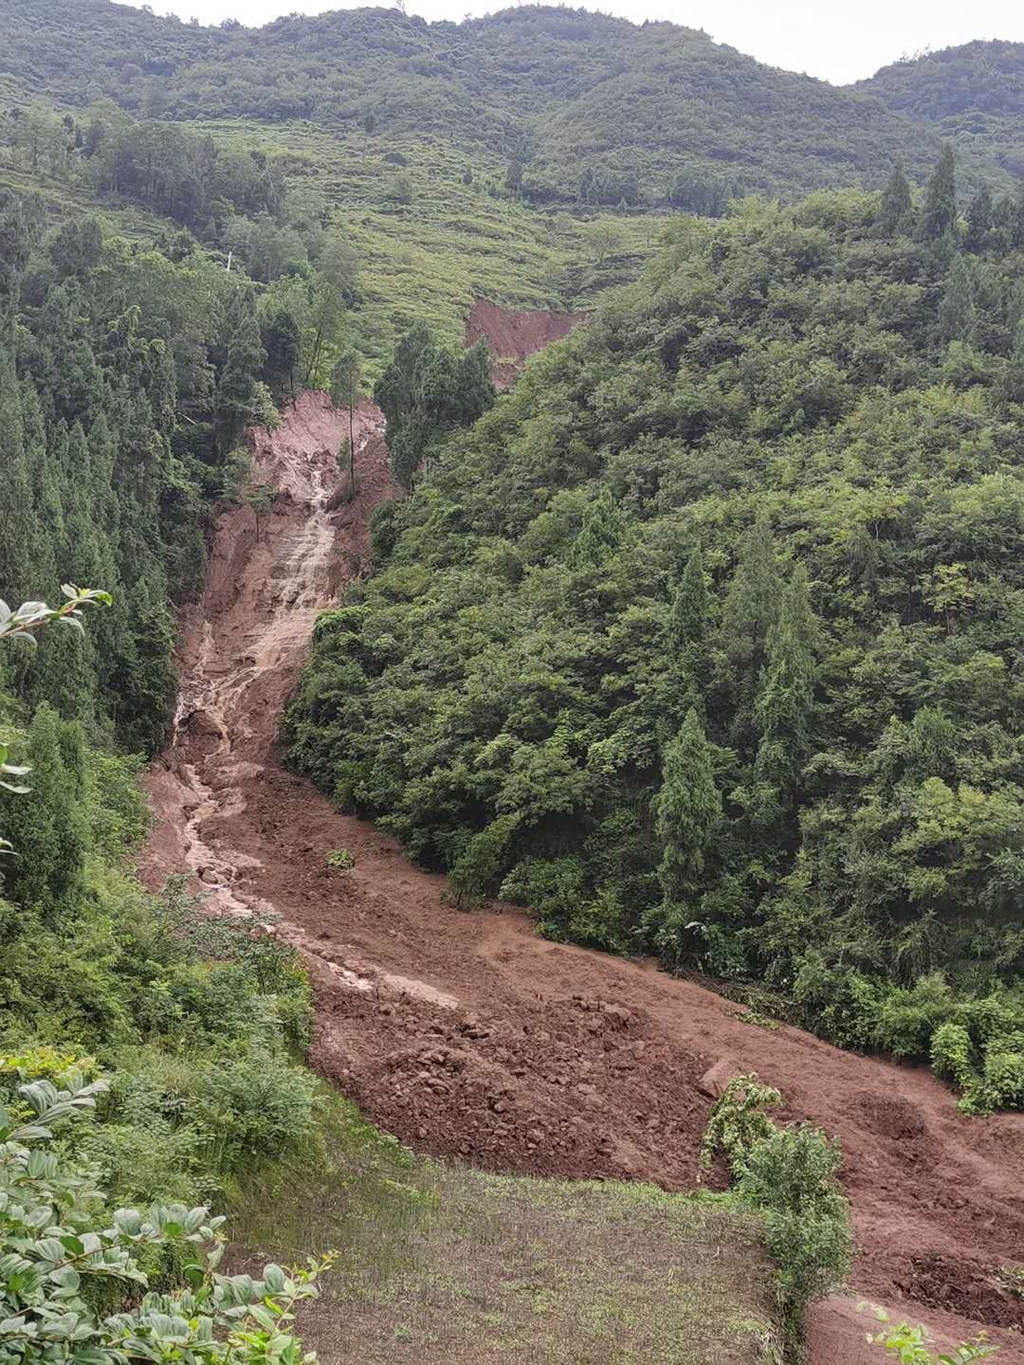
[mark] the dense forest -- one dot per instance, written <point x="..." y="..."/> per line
<point x="973" y="93"/>
<point x="704" y="641"/>
<point x="580" y="108"/>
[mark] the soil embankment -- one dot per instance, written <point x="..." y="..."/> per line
<point x="469" y="1037"/>
<point x="513" y="336"/>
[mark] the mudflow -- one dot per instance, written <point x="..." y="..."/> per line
<point x="469" y="1037"/>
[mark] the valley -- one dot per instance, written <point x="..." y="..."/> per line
<point x="466" y="1035"/>
<point x="524" y="853"/>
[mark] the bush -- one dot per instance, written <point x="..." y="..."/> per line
<point x="790" y="1175"/>
<point x="481" y="860"/>
<point x="1003" y="1084"/>
<point x="907" y="1018"/>
<point x="254" y="1106"/>
<point x="62" y="1249"/>
<point x="910" y="1345"/>
<point x="340" y="858"/>
<point x="952" y="1055"/>
<point x="738" y="1121"/>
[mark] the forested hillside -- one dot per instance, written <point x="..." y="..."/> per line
<point x="973" y="93"/>
<point x="571" y="107"/>
<point x="126" y="378"/>
<point x="704" y="641"/>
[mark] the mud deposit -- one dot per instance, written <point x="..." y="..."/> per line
<point x="513" y="336"/>
<point x="469" y="1037"/>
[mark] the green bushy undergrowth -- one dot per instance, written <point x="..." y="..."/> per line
<point x="790" y="1175"/>
<point x="197" y="1022"/>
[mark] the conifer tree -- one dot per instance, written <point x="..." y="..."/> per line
<point x="474" y="391"/>
<point x="282" y="341"/>
<point x="980" y="220"/>
<point x="49" y="831"/>
<point x="897" y="207"/>
<point x="958" y="312"/>
<point x="785" y="703"/>
<point x="600" y="534"/>
<point x="752" y="602"/>
<point x="939" y="216"/>
<point x="688" y="618"/>
<point x="688" y="812"/>
<point x="236" y="391"/>
<point x="346" y="384"/>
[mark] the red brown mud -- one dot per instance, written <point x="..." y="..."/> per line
<point x="469" y="1037"/>
<point x="513" y="336"/>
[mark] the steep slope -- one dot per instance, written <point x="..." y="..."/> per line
<point x="973" y="93"/>
<point x="594" y="109"/>
<point x="468" y="1036"/>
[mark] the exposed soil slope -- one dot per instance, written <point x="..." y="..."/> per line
<point x="513" y="336"/>
<point x="468" y="1036"/>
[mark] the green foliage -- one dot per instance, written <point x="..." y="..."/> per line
<point x="340" y="858"/>
<point x="428" y="390"/>
<point x="841" y="821"/>
<point x="738" y="1121"/>
<point x="59" y="1238"/>
<point x="789" y="1175"/>
<point x="912" y="1345"/>
<point x="478" y="865"/>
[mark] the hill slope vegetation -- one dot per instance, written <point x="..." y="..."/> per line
<point x="973" y="93"/>
<point x="704" y="640"/>
<point x="573" y="107"/>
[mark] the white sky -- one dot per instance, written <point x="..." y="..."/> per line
<point x="839" y="42"/>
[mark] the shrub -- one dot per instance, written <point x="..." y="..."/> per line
<point x="254" y="1106"/>
<point x="907" y="1018"/>
<point x="952" y="1055"/>
<point x="791" y="1176"/>
<point x="910" y="1345"/>
<point x="340" y="858"/>
<point x="738" y="1121"/>
<point x="1003" y="1084"/>
<point x="478" y="865"/>
<point x="61" y="1250"/>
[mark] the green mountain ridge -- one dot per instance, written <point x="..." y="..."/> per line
<point x="594" y="109"/>
<point x="973" y="94"/>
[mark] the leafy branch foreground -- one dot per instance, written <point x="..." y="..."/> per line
<point x="57" y="1240"/>
<point x="22" y="623"/>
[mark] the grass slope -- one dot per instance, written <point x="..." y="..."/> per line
<point x="426" y="260"/>
<point x="447" y="1265"/>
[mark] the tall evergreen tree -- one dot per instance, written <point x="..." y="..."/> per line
<point x="897" y="206"/>
<point x="688" y="617"/>
<point x="939" y="216"/>
<point x="688" y="813"/>
<point x="785" y="704"/>
<point x="345" y="389"/>
<point x="980" y="220"/>
<point x="958" y="311"/>
<point x="236" y="391"/>
<point x="752" y="602"/>
<point x="600" y="534"/>
<point x="50" y="830"/>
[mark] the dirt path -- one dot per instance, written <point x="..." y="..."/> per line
<point x="465" y="1034"/>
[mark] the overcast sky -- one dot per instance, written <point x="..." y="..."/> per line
<point x="837" y="42"/>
